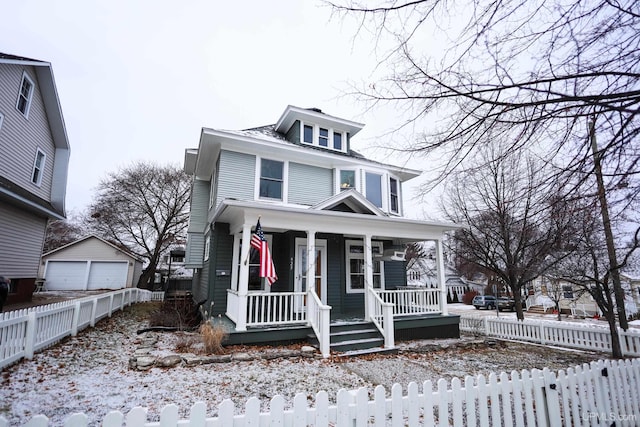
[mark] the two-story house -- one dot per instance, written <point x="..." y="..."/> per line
<point x="34" y="158"/>
<point x="313" y="195"/>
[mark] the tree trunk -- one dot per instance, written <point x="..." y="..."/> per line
<point x="606" y="222"/>
<point x="616" y="349"/>
<point x="517" y="298"/>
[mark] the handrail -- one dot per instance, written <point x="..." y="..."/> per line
<point x="382" y="317"/>
<point x="319" y="318"/>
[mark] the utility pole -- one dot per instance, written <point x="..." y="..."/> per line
<point x="606" y="222"/>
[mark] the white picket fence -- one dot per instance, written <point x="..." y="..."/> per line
<point x="25" y="332"/>
<point x="550" y="332"/>
<point x="600" y="394"/>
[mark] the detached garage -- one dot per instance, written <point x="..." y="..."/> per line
<point x="90" y="263"/>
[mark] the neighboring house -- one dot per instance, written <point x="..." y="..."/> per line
<point x="313" y="194"/>
<point x="89" y="263"/>
<point x="171" y="273"/>
<point x="34" y="158"/>
<point x="423" y="272"/>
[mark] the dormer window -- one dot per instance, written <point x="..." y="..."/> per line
<point x="393" y="195"/>
<point x="308" y="134"/>
<point x="323" y="137"/>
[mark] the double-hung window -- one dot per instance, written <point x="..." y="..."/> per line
<point x="24" y="96"/>
<point x="38" y="167"/>
<point x="323" y="137"/>
<point x="356" y="275"/>
<point x="271" y="179"/>
<point x="393" y="196"/>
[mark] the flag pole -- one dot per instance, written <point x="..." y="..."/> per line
<point x="246" y="260"/>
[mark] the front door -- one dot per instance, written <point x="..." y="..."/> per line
<point x="319" y="275"/>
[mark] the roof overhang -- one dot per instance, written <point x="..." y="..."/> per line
<point x="279" y="218"/>
<point x="354" y="200"/>
<point x="292" y="113"/>
<point x="201" y="162"/>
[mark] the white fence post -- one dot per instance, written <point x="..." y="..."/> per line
<point x="541" y="329"/>
<point x="76" y="317"/>
<point x="30" y="336"/>
<point x="94" y="308"/>
<point x="110" y="304"/>
<point x="487" y="332"/>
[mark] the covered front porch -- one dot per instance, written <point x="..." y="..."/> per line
<point x="356" y="276"/>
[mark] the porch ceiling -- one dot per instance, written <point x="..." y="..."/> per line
<point x="278" y="218"/>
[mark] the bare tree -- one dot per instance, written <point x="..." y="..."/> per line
<point x="143" y="207"/>
<point x="515" y="216"/>
<point x="62" y="232"/>
<point x="537" y="70"/>
<point x="588" y="268"/>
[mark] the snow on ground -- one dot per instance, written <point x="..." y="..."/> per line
<point x="89" y="373"/>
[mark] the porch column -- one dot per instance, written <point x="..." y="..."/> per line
<point x="441" y="277"/>
<point x="243" y="280"/>
<point x="311" y="260"/>
<point x="368" y="276"/>
<point x="236" y="259"/>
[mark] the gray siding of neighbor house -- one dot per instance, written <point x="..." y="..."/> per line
<point x="236" y="176"/>
<point x="293" y="134"/>
<point x="20" y="137"/>
<point x="309" y="185"/>
<point x="21" y="240"/>
<point x="200" y="285"/>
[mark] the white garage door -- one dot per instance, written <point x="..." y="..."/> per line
<point x="107" y="275"/>
<point x="66" y="275"/>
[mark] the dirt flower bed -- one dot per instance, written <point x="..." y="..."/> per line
<point x="90" y="373"/>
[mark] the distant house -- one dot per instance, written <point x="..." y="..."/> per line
<point x="314" y="195"/>
<point x="171" y="273"/>
<point x="90" y="263"/>
<point x="423" y="272"/>
<point x="34" y="158"/>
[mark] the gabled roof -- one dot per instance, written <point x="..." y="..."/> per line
<point x="93" y="236"/>
<point x="352" y="199"/>
<point x="46" y="83"/>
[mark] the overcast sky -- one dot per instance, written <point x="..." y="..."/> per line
<point x="137" y="80"/>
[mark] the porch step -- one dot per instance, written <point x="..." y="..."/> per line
<point x="537" y="309"/>
<point x="357" y="336"/>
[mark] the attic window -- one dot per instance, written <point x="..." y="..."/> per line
<point x="308" y="134"/>
<point x="323" y="138"/>
<point x="24" y="96"/>
<point x="38" y="167"/>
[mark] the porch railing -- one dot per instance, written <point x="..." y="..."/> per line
<point x="275" y="308"/>
<point x="382" y="317"/>
<point x="319" y="318"/>
<point x="412" y="301"/>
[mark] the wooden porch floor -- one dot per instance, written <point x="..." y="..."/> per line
<point x="406" y="328"/>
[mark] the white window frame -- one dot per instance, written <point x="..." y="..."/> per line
<point x="349" y="256"/>
<point x="38" y="167"/>
<point x="29" y="98"/>
<point x="398" y="195"/>
<point x="383" y="179"/>
<point x="356" y="184"/>
<point x="285" y="180"/>
<point x="207" y="246"/>
<point x="316" y="137"/>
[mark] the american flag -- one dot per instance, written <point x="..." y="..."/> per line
<point x="266" y="262"/>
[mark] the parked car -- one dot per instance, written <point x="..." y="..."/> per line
<point x="505" y="303"/>
<point x="484" y="301"/>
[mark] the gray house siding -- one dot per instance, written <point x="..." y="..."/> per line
<point x="21" y="240"/>
<point x="309" y="185"/>
<point x="293" y="134"/>
<point x="197" y="223"/>
<point x="236" y="176"/>
<point x="221" y="261"/>
<point x="20" y="137"/>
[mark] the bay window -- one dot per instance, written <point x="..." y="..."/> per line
<point x="374" y="188"/>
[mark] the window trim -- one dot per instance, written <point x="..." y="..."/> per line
<point x="382" y="188"/>
<point x="349" y="256"/>
<point x="26" y="77"/>
<point x="285" y="180"/>
<point x="39" y="168"/>
<point x="339" y="179"/>
<point x="315" y="137"/>
<point x="398" y="208"/>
